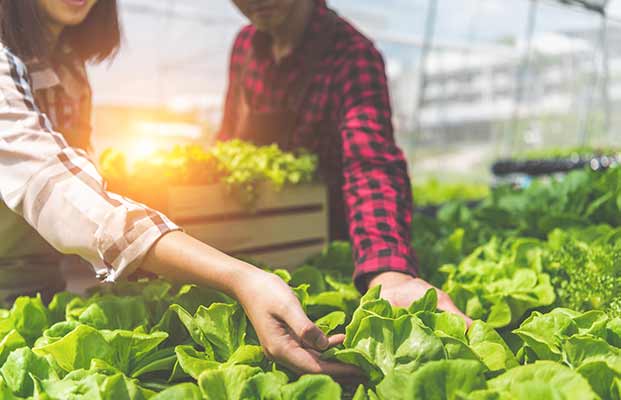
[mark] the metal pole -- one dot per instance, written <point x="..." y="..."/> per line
<point x="585" y="127"/>
<point x="430" y="25"/>
<point x="602" y="63"/>
<point x="606" y="80"/>
<point x="160" y="68"/>
<point x="521" y="77"/>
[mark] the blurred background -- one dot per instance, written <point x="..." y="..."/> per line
<point x="471" y="80"/>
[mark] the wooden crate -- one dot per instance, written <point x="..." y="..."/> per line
<point x="282" y="228"/>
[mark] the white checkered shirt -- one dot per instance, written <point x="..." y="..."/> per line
<point x="53" y="191"/>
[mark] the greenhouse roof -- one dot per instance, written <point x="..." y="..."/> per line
<point x="597" y="5"/>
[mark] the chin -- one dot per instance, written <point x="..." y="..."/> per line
<point x="267" y="24"/>
<point x="72" y="20"/>
<point x="264" y="26"/>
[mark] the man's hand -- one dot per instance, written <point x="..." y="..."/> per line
<point x="402" y="289"/>
<point x="284" y="330"/>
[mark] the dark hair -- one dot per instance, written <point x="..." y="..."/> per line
<point x="96" y="39"/>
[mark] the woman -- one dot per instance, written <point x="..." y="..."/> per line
<point x="54" y="200"/>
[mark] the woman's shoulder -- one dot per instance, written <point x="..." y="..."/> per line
<point x="13" y="71"/>
<point x="9" y="61"/>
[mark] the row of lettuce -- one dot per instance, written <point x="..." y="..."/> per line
<point x="537" y="269"/>
<point x="556" y="243"/>
<point x="150" y="340"/>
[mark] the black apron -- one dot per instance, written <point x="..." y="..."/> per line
<point x="278" y="127"/>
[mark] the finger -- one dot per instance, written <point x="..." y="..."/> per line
<point x="351" y="380"/>
<point x="335" y="340"/>
<point x="301" y="361"/>
<point x="305" y="330"/>
<point x="306" y="361"/>
<point x="340" y="370"/>
<point x="350" y="371"/>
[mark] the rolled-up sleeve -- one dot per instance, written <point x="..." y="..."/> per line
<point x="58" y="190"/>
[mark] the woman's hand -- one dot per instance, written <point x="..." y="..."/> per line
<point x="285" y="332"/>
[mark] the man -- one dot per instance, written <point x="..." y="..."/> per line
<point x="301" y="76"/>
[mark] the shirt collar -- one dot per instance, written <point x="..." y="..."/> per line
<point x="44" y="72"/>
<point x="261" y="41"/>
<point x="65" y="69"/>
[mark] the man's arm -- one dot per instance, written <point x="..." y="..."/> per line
<point x="230" y="115"/>
<point x="377" y="188"/>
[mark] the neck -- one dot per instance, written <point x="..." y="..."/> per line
<point x="287" y="36"/>
<point x="55" y="30"/>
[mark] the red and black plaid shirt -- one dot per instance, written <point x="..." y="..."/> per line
<point x="351" y="89"/>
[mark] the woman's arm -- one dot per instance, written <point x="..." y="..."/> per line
<point x="285" y="332"/>
<point x="58" y="191"/>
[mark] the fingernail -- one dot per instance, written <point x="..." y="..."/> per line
<point x="322" y="342"/>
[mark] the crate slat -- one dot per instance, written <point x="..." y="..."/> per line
<point x="282" y="228"/>
<point x="256" y="232"/>
<point x="288" y="259"/>
<point x="187" y="202"/>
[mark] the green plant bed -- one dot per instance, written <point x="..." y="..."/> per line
<point x="538" y="270"/>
